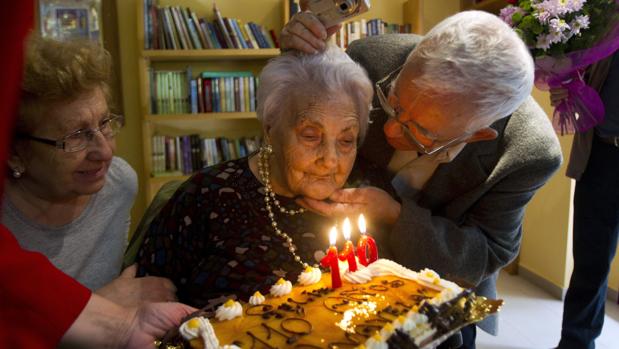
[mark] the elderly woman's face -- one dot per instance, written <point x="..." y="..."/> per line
<point x="314" y="157"/>
<point x="56" y="174"/>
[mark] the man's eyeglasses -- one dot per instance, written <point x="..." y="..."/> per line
<point x="78" y="140"/>
<point x="382" y="87"/>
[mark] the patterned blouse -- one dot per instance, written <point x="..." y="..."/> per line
<point x="214" y="240"/>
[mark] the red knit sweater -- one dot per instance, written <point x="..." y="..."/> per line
<point x="38" y="303"/>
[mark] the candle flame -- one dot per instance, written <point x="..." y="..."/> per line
<point x="361" y="223"/>
<point x="346" y="228"/>
<point x="333" y="236"/>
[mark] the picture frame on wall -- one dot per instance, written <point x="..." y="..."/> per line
<point x="70" y="19"/>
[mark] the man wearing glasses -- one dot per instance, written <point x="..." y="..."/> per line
<point x="464" y="145"/>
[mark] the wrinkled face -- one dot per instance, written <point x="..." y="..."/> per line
<point x="314" y="156"/>
<point x="432" y="122"/>
<point x="54" y="174"/>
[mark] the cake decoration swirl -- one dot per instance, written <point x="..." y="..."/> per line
<point x="310" y="276"/>
<point x="229" y="310"/>
<point x="257" y="298"/>
<point x="281" y="288"/>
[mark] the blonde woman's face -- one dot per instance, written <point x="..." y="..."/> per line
<point x="314" y="157"/>
<point x="56" y="174"/>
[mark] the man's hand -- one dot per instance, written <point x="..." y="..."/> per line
<point x="374" y="203"/>
<point x="304" y="32"/>
<point x="127" y="290"/>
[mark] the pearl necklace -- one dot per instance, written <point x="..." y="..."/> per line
<point x="269" y="197"/>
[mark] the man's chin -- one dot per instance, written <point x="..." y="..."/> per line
<point x="400" y="144"/>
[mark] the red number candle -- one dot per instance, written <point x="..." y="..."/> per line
<point x="366" y="242"/>
<point x="349" y="248"/>
<point x="331" y="260"/>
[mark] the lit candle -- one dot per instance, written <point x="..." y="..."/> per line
<point x="349" y="248"/>
<point x="331" y="260"/>
<point x="364" y="243"/>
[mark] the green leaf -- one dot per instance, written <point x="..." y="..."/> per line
<point x="517" y="17"/>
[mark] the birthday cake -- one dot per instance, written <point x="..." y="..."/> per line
<point x="383" y="305"/>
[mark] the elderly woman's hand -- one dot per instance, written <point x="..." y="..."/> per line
<point x="127" y="290"/>
<point x="304" y="32"/>
<point x="557" y="95"/>
<point x="373" y="202"/>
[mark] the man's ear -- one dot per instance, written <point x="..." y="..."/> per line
<point x="485" y="134"/>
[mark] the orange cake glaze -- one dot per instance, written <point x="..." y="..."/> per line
<point x="318" y="314"/>
<point x="383" y="306"/>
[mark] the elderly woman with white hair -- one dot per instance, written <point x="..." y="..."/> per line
<point x="234" y="228"/>
<point x="464" y="143"/>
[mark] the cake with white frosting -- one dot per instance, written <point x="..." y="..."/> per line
<point x="383" y="305"/>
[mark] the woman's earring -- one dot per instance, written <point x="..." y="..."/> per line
<point x="16" y="173"/>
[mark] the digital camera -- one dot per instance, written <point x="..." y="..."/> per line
<point x="332" y="12"/>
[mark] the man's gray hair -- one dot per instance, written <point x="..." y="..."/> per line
<point x="292" y="78"/>
<point x="474" y="57"/>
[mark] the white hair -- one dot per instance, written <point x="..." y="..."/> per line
<point x="296" y="77"/>
<point x="474" y="57"/>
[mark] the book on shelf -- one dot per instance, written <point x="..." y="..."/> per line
<point x="355" y="30"/>
<point x="180" y="92"/>
<point x="180" y="28"/>
<point x="185" y="154"/>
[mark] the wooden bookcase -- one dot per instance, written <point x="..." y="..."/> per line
<point x="273" y="14"/>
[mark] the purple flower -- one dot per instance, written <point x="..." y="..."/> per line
<point x="576" y="5"/>
<point x="542" y="16"/>
<point x="543" y="42"/>
<point x="558" y="8"/>
<point x="579" y="23"/>
<point x="557" y="25"/>
<point x="507" y="13"/>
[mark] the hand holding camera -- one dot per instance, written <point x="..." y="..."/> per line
<point x="307" y="31"/>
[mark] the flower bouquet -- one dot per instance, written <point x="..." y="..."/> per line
<point x="565" y="37"/>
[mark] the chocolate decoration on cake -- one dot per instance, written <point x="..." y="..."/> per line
<point x="292" y="320"/>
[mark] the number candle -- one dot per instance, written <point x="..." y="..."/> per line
<point x="364" y="243"/>
<point x="349" y="248"/>
<point x="331" y="260"/>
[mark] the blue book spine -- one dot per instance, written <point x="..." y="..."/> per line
<point x="216" y="97"/>
<point x="258" y="35"/>
<point x="210" y="29"/>
<point x="239" y="34"/>
<point x="194" y="96"/>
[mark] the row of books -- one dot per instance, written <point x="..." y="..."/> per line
<point x="178" y="28"/>
<point x="352" y="31"/>
<point x="182" y="155"/>
<point x="178" y="92"/>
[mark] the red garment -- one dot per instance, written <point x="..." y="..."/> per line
<point x="38" y="303"/>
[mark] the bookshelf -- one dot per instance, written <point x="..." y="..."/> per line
<point x="272" y="14"/>
<point x="211" y="125"/>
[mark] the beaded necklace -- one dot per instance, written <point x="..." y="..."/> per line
<point x="270" y="200"/>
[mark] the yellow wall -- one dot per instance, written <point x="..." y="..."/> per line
<point x="546" y="244"/>
<point x="130" y="139"/>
